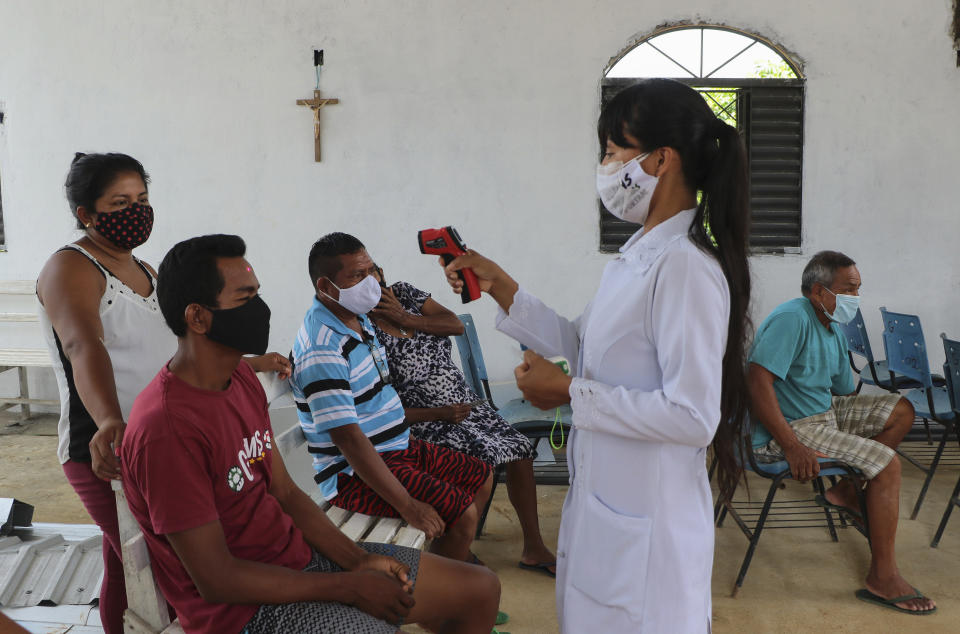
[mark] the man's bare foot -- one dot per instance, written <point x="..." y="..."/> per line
<point x="897" y="586"/>
<point x="844" y="494"/>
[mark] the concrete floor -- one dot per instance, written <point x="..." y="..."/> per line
<point x="799" y="581"/>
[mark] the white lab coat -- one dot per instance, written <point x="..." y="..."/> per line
<point x="636" y="533"/>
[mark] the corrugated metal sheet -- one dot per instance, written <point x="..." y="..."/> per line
<point x="51" y="564"/>
<point x="61" y="619"/>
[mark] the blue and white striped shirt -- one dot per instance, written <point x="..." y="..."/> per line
<point x="335" y="383"/>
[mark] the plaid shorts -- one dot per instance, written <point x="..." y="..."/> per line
<point x="844" y="432"/>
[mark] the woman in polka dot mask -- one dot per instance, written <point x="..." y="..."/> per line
<point x="107" y="339"/>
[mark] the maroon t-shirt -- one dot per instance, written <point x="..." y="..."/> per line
<point x="191" y="457"/>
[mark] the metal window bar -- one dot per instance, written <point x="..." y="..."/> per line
<point x="742" y="51"/>
<point x="654" y="47"/>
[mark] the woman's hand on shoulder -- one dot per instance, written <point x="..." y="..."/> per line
<point x="543" y="383"/>
<point x="271" y="362"/>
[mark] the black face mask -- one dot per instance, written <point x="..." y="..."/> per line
<point x="245" y="328"/>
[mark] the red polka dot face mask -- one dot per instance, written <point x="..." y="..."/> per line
<point x="127" y="228"/>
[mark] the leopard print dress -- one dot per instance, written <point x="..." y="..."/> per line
<point x="425" y="375"/>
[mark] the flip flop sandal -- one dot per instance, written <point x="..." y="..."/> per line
<point x="865" y="595"/>
<point x="502" y="617"/>
<point x="827" y="504"/>
<point x="541" y="567"/>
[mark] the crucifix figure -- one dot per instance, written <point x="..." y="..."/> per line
<point x="315" y="104"/>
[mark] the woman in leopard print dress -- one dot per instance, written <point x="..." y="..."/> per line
<point x="437" y="401"/>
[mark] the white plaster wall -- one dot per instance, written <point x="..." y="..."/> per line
<point x="476" y="114"/>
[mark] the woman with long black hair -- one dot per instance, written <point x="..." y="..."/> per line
<point x="657" y="364"/>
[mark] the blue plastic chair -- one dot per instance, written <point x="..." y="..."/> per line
<point x="951" y="370"/>
<point x="798" y="513"/>
<point x="877" y="373"/>
<point x="906" y="353"/>
<point x="471" y="359"/>
<point x="532" y="422"/>
<point x="528" y="420"/>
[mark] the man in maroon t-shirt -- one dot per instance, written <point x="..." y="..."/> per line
<point x="235" y="544"/>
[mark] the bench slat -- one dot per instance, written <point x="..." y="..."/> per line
<point x="26" y="357"/>
<point x="28" y="401"/>
<point x="290" y="440"/>
<point x="384" y="531"/>
<point x="338" y="515"/>
<point x="19" y="317"/>
<point x="135" y="549"/>
<point x="18" y="287"/>
<point x="410" y="537"/>
<point x="357" y="525"/>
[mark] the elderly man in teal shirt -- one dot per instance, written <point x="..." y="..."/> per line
<point x="803" y="394"/>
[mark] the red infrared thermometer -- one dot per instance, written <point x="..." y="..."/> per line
<point x="446" y="243"/>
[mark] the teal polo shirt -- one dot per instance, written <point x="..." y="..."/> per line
<point x="809" y="361"/>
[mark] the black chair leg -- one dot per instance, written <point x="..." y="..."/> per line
<point x="946" y="515"/>
<point x="486" y="509"/>
<point x="843" y="520"/>
<point x="932" y="469"/>
<point x="926" y="426"/>
<point x="722" y="516"/>
<point x="818" y="487"/>
<point x="755" y="537"/>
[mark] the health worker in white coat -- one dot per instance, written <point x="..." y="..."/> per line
<point x="657" y="360"/>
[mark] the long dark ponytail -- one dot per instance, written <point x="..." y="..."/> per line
<point x="666" y="113"/>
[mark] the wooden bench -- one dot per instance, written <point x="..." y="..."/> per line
<point x="22" y="358"/>
<point x="147" y="611"/>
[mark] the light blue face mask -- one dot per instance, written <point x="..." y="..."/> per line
<point x="846" y="309"/>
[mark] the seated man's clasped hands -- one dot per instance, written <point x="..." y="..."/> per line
<point x="803" y="393"/>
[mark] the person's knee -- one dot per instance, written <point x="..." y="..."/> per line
<point x="903" y="412"/>
<point x="489" y="586"/>
<point x="467" y="522"/>
<point x="488" y="483"/>
<point x="892" y="470"/>
<point x="477" y="596"/>
<point x="484" y="587"/>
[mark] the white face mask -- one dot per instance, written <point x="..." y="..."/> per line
<point x="360" y="298"/>
<point x="625" y="189"/>
<point x="846" y="308"/>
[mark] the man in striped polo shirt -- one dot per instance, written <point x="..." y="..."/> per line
<point x="353" y="419"/>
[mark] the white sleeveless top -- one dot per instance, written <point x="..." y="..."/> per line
<point x="139" y="344"/>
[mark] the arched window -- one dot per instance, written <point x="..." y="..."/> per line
<point x="752" y="84"/>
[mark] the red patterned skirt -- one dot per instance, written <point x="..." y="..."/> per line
<point x="445" y="479"/>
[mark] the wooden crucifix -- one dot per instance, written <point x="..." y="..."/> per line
<point x="315" y="104"/>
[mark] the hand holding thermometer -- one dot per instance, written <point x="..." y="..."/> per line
<point x="446" y="243"/>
